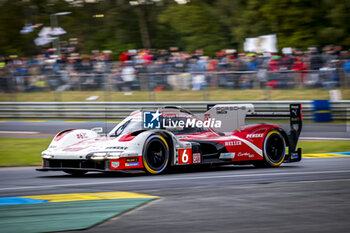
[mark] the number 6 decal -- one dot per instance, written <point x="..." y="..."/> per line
<point x="185" y="156"/>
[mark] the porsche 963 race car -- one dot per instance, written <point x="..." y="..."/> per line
<point x="156" y="139"/>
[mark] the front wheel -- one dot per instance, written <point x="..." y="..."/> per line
<point x="155" y="154"/>
<point x="274" y="150"/>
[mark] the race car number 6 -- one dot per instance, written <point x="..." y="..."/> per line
<point x="184" y="157"/>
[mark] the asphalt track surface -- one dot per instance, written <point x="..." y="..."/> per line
<point x="310" y="196"/>
<point x="50" y="128"/>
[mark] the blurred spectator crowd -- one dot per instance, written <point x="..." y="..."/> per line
<point x="173" y="69"/>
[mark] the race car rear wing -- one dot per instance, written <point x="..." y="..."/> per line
<point x="233" y="115"/>
<point x="296" y="123"/>
<point x="295" y="116"/>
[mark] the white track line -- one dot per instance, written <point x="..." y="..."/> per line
<point x="19" y="132"/>
<point x="177" y="179"/>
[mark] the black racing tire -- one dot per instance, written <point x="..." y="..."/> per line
<point x="274" y="150"/>
<point x="155" y="154"/>
<point x="75" y="172"/>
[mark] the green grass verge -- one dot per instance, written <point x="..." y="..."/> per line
<point x="25" y="152"/>
<point x="208" y="95"/>
<point x="22" y="151"/>
<point x="313" y="147"/>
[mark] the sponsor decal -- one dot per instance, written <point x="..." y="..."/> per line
<point x="116" y="148"/>
<point x="151" y="120"/>
<point x="207" y="116"/>
<point x="81" y="135"/>
<point x="295" y="110"/>
<point x="224" y="110"/>
<point x="132" y="160"/>
<point x="196" y="157"/>
<point x="294" y="155"/>
<point x="233" y="143"/>
<point x="255" y="135"/>
<point x="114" y="164"/>
<point x="227" y="155"/>
<point x="246" y="154"/>
<point x="221" y="110"/>
<point x="181" y="137"/>
<point x="132" y="164"/>
<point x="74" y="149"/>
<point x="294" y="119"/>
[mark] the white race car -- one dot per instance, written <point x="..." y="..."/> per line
<point x="153" y="140"/>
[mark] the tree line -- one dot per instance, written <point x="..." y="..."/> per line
<point x="211" y="25"/>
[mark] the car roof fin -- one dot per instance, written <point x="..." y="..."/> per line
<point x="178" y="108"/>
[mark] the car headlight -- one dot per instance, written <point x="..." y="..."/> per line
<point x="45" y="155"/>
<point x="113" y="155"/>
<point x="105" y="155"/>
<point x="98" y="155"/>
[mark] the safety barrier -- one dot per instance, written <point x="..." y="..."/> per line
<point x="118" y="110"/>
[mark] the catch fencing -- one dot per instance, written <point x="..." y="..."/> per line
<point x="158" y="81"/>
<point x="119" y="110"/>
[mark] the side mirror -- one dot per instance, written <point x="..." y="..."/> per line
<point x="98" y="130"/>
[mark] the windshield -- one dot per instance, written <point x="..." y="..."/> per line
<point x="126" y="126"/>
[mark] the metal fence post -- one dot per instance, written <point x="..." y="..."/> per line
<point x="348" y="120"/>
<point x="267" y="93"/>
<point x="150" y="88"/>
<point x="12" y="89"/>
<point x="106" y="85"/>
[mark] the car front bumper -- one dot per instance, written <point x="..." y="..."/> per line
<point x="92" y="165"/>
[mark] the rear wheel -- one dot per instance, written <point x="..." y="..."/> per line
<point x="75" y="173"/>
<point x="274" y="150"/>
<point x="155" y="154"/>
